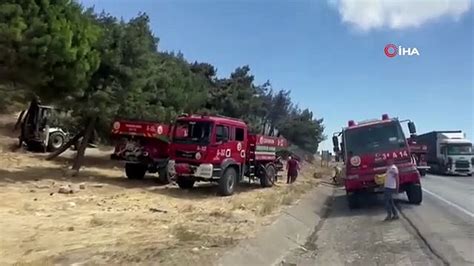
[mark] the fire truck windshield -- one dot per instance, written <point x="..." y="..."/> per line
<point x="374" y="138"/>
<point x="192" y="132"/>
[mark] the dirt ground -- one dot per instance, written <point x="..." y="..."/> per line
<point x="110" y="219"/>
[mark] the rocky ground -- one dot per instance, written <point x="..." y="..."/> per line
<point x="98" y="217"/>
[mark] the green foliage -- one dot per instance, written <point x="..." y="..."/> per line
<point x="11" y="98"/>
<point x="94" y="65"/>
<point x="47" y="46"/>
<point x="304" y="131"/>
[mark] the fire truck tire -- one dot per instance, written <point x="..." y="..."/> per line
<point x="353" y="200"/>
<point x="135" y="170"/>
<point x="414" y="193"/>
<point x="270" y="176"/>
<point x="163" y="176"/>
<point x="185" y="183"/>
<point x="227" y="181"/>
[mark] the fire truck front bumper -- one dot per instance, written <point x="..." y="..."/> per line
<point x="204" y="171"/>
<point x="352" y="183"/>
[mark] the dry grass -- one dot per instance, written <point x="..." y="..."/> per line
<point x="185" y="234"/>
<point x="269" y="204"/>
<point x="288" y="199"/>
<point x="96" y="221"/>
<point x="226" y="214"/>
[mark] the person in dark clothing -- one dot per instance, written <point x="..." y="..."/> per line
<point x="292" y="167"/>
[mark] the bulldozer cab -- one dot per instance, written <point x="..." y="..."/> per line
<point x="36" y="120"/>
<point x="38" y="126"/>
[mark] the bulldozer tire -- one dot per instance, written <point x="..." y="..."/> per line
<point x="34" y="146"/>
<point x="269" y="177"/>
<point x="56" y="141"/>
<point x="227" y="182"/>
<point x="135" y="170"/>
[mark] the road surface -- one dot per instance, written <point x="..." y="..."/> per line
<point x="440" y="231"/>
<point x="446" y="217"/>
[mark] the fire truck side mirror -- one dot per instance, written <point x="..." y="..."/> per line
<point x="411" y="127"/>
<point x="335" y="143"/>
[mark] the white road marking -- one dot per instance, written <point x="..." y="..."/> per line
<point x="452" y="204"/>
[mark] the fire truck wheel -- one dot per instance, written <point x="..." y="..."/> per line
<point x="163" y="176"/>
<point x="135" y="170"/>
<point x="227" y="181"/>
<point x="353" y="199"/>
<point x="185" y="183"/>
<point x="414" y="193"/>
<point x="270" y="176"/>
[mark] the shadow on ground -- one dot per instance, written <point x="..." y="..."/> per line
<point x="370" y="204"/>
<point x="32" y="174"/>
<point x="204" y="190"/>
<point x="102" y="162"/>
<point x="150" y="183"/>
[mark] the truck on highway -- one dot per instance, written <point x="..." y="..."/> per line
<point x="143" y="146"/>
<point x="449" y="152"/>
<point x="365" y="148"/>
<point x="221" y="149"/>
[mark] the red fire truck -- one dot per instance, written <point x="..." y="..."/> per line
<point x="366" y="147"/>
<point x="220" y="149"/>
<point x="143" y="146"/>
<point x="418" y="153"/>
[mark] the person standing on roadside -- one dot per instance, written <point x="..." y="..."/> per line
<point x="392" y="183"/>
<point x="292" y="166"/>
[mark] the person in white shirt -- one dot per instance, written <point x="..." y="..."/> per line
<point x="390" y="188"/>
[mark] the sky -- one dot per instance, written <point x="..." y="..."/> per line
<point x="330" y="53"/>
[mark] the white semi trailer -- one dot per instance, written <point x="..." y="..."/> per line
<point x="449" y="152"/>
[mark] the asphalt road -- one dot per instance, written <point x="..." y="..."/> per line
<point x="440" y="231"/>
<point x="445" y="219"/>
<point x="361" y="237"/>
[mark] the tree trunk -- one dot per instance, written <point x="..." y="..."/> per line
<point x="82" y="149"/>
<point x="272" y="129"/>
<point x="264" y="126"/>
<point x="66" y="146"/>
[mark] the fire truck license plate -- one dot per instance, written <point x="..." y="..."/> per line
<point x="379" y="179"/>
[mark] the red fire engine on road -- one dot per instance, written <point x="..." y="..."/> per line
<point x="366" y="147"/>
